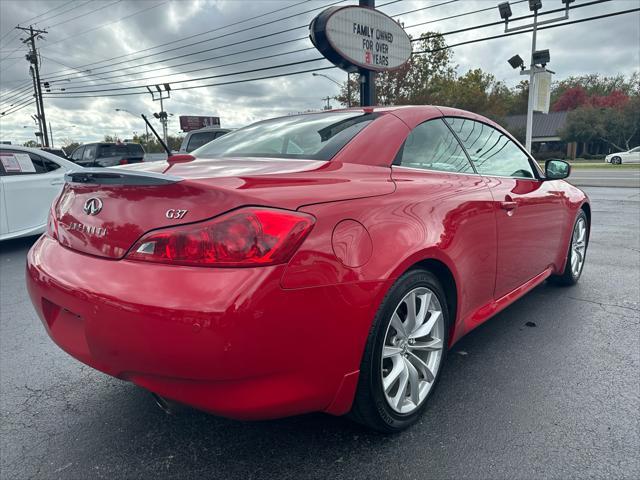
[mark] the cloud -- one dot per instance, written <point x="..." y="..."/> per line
<point x="607" y="47"/>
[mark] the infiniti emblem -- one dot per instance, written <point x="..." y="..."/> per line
<point x="92" y="206"/>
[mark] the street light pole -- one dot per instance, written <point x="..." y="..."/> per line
<point x="146" y="128"/>
<point x="337" y="83"/>
<point x="532" y="72"/>
<point x="505" y="14"/>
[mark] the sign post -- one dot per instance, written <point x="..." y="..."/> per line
<point x="367" y="77"/>
<point x="361" y="39"/>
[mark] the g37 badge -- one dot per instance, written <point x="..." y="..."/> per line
<point x="175" y="213"/>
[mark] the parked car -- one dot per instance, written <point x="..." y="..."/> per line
<point x="29" y="181"/>
<point x="56" y="151"/>
<point x="107" y="154"/>
<point x="197" y="138"/>
<point x="630" y="156"/>
<point x="319" y="262"/>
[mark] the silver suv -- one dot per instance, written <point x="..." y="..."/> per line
<point x="197" y="138"/>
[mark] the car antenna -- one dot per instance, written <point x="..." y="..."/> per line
<point x="164" y="145"/>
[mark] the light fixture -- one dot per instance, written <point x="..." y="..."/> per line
<point x="505" y="10"/>
<point x="535" y="5"/>
<point x="541" y="57"/>
<point x="567" y="2"/>
<point x="516" y="62"/>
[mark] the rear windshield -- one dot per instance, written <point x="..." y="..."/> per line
<point x="125" y="150"/>
<point x="315" y="137"/>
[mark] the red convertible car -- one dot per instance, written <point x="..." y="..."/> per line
<point x="319" y="262"/>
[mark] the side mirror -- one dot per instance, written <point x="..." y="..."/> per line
<point x="556" y="169"/>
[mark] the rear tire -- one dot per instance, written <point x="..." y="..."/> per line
<point x="402" y="361"/>
<point x="577" y="252"/>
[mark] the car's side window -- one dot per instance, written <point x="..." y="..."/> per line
<point x="89" y="153"/>
<point x="199" y="139"/>
<point x="49" y="164"/>
<point x="36" y="160"/>
<point x="432" y="146"/>
<point x="491" y="152"/>
<point x="77" y="154"/>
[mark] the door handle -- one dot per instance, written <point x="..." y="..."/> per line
<point x="506" y="205"/>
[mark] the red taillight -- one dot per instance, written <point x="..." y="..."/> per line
<point x="124" y="161"/>
<point x="245" y="237"/>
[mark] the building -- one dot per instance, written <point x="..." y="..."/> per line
<point x="545" y="139"/>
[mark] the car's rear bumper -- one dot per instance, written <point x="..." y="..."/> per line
<point x="229" y="341"/>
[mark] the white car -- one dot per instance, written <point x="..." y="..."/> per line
<point x="29" y="181"/>
<point x="631" y="156"/>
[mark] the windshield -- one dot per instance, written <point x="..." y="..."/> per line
<point x="313" y="136"/>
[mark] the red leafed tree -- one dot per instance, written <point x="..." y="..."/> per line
<point x="577" y="97"/>
<point x="571" y="99"/>
<point x="615" y="99"/>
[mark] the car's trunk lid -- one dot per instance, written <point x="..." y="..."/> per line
<point x="104" y="212"/>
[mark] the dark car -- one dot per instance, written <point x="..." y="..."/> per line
<point x="107" y="154"/>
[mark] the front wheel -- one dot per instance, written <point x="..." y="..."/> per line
<point x="577" y="252"/>
<point x="404" y="354"/>
<point x="616" y="161"/>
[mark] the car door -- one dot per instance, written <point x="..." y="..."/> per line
<point x="455" y="206"/>
<point x="529" y="211"/>
<point x="28" y="195"/>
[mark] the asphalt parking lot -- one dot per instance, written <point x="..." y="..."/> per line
<point x="556" y="400"/>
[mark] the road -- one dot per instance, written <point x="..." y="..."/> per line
<point x="604" y="177"/>
<point x="556" y="400"/>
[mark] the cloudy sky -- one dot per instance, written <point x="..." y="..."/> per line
<point x="115" y="44"/>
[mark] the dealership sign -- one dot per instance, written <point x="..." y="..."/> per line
<point x="356" y="38"/>
<point x="188" y="123"/>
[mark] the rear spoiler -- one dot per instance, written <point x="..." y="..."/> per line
<point x="108" y="176"/>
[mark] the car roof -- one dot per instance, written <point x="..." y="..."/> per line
<point x="210" y="129"/>
<point x="43" y="153"/>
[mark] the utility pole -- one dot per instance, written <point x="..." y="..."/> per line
<point x="367" y="77"/>
<point x="161" y="95"/>
<point x="32" y="57"/>
<point x="328" y="105"/>
<point x="38" y="116"/>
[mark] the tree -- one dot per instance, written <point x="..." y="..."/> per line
<point x="417" y="82"/>
<point x="31" y="143"/>
<point x="618" y="127"/>
<point x="571" y="99"/>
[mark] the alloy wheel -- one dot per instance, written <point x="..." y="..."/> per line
<point x="578" y="246"/>
<point x="412" y="350"/>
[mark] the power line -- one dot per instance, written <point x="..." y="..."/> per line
<point x="47" y="12"/>
<point x="16" y="108"/>
<point x="597" y="17"/>
<point x="84" y="14"/>
<point x="137" y="67"/>
<point x="519" y="32"/>
<point x="108" y="23"/>
<point x="200" y="34"/>
<point x="76" y="85"/>
<point x="253" y="70"/>
<point x="75" y="7"/>
<point x="262" y="57"/>
<point x="458" y="15"/>
<point x="288" y="74"/>
<point x="501" y="22"/>
<point x="185" y="63"/>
